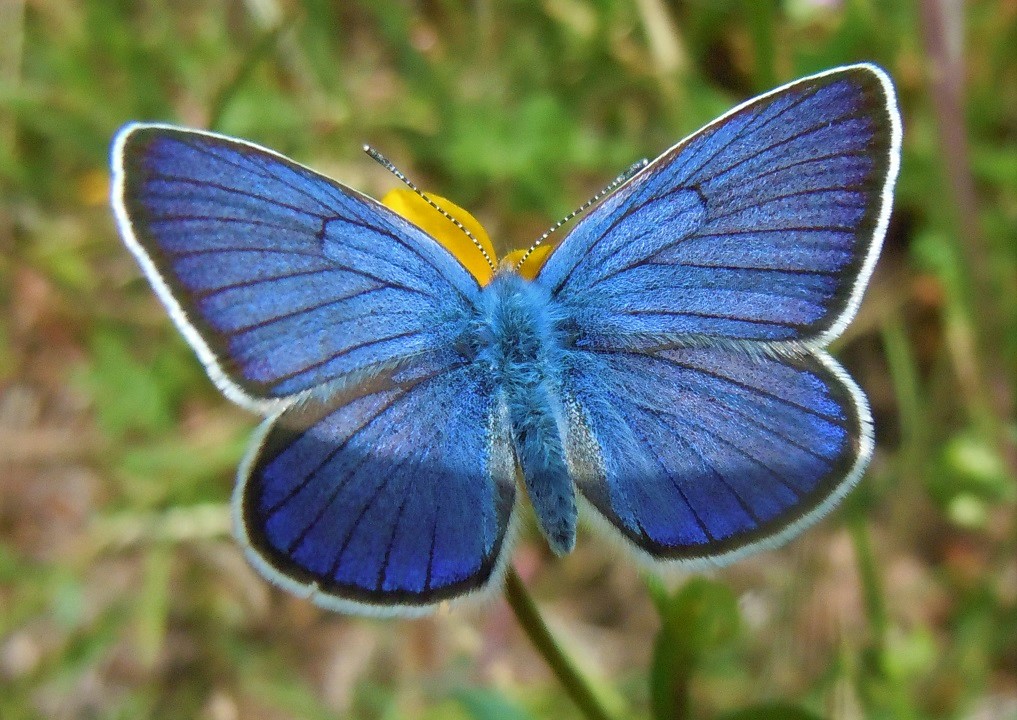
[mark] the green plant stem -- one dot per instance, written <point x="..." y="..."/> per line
<point x="895" y="699"/>
<point x="975" y="325"/>
<point x="526" y="612"/>
<point x="872" y="590"/>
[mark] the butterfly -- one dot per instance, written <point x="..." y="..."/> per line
<point x="662" y="371"/>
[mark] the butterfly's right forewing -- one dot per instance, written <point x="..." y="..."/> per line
<point x="763" y="226"/>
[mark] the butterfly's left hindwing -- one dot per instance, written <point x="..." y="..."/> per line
<point x="387" y="501"/>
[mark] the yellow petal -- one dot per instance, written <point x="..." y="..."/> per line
<point x="534" y="262"/>
<point x="415" y="209"/>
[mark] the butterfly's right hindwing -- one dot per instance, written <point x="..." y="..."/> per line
<point x="709" y="453"/>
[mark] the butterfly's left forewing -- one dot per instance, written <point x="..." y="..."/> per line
<point x="281" y="279"/>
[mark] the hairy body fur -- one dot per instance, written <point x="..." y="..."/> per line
<point x="519" y="336"/>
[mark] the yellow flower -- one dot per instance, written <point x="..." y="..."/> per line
<point x="415" y="209"/>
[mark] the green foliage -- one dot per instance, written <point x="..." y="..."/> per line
<point x="122" y="598"/>
<point x="488" y="705"/>
<point x="698" y="621"/>
<point x="131" y="394"/>
<point x="774" y="711"/>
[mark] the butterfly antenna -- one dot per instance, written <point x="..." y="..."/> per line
<point x="629" y="172"/>
<point x="388" y="165"/>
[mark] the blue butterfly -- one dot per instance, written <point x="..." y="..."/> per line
<point x="664" y="372"/>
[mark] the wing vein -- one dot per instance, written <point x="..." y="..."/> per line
<point x="193" y="182"/>
<point x="740" y="133"/>
<point x="265" y="173"/>
<point x="785" y="141"/>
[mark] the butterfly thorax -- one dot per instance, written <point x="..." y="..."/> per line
<point x="518" y="335"/>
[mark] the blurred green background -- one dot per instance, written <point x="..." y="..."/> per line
<point x="123" y="595"/>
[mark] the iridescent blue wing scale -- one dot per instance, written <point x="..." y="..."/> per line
<point x="387" y="500"/>
<point x="710" y="453"/>
<point x="704" y="417"/>
<point x="764" y="225"/>
<point x="282" y="279"/>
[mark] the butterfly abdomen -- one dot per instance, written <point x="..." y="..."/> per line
<point x="517" y="335"/>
